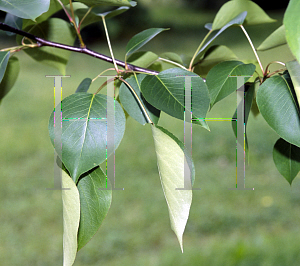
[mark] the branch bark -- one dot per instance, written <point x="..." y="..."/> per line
<point x="41" y="42"/>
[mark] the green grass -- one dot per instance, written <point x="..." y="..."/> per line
<point x="259" y="227"/>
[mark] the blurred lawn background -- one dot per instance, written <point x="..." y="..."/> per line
<point x="259" y="227"/>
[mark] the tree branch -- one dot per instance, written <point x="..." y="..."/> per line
<point x="41" y="42"/>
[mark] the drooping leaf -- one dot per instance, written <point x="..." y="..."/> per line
<point x="294" y="70"/>
<point x="13" y="21"/>
<point x="238" y="20"/>
<point x="84" y="85"/>
<point x="277" y="38"/>
<point x="287" y="159"/>
<point x="4" y="56"/>
<point x="292" y="25"/>
<point x="142" y="59"/>
<point x="71" y="216"/>
<point x="132" y="106"/>
<point x="10" y="76"/>
<point x="140" y="39"/>
<point x="95" y="200"/>
<point x="108" y="2"/>
<point x="278" y="106"/>
<point x="84" y="131"/>
<point x="171" y="160"/>
<point x="213" y="56"/>
<point x="220" y="80"/>
<point x="56" y="30"/>
<point x="29" y="9"/>
<point x="166" y="91"/>
<point x="249" y="95"/>
<point x="255" y="15"/>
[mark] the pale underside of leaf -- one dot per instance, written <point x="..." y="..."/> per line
<point x="170" y="160"/>
<point x="71" y="216"/>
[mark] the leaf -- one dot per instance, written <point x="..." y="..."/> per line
<point x="277" y="105"/>
<point x="13" y="21"/>
<point x="292" y="25"/>
<point x="54" y="7"/>
<point x="294" y="70"/>
<point x="249" y="96"/>
<point x="10" y="76"/>
<point x="140" y="39"/>
<point x="71" y="216"/>
<point x="29" y="9"/>
<point x="84" y="131"/>
<point x="287" y="159"/>
<point x="94" y="204"/>
<point x="170" y="161"/>
<point x="213" y="56"/>
<point x="166" y="91"/>
<point x="220" y="82"/>
<point x="108" y="2"/>
<point x="4" y="56"/>
<point x="277" y="38"/>
<point x="56" y="30"/>
<point x="84" y="85"/>
<point x="238" y="20"/>
<point x="142" y="59"/>
<point x="255" y="15"/>
<point x="130" y="103"/>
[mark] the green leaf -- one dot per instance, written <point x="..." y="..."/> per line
<point x="140" y="39"/>
<point x="292" y="25"/>
<point x="56" y="30"/>
<point x="255" y="15"/>
<point x="142" y="59"/>
<point x="294" y="70"/>
<point x="287" y="159"/>
<point x="4" y="56"/>
<point x="84" y="131"/>
<point x="238" y="20"/>
<point x="84" y="85"/>
<point x="132" y="106"/>
<point x="13" y="21"/>
<point x="165" y="92"/>
<point x="219" y="81"/>
<point x="10" y="76"/>
<point x="213" y="56"/>
<point x="29" y="9"/>
<point x="71" y="216"/>
<point x="170" y="160"/>
<point x="54" y="7"/>
<point x="277" y="105"/>
<point x="108" y="2"/>
<point x="275" y="39"/>
<point x="94" y="204"/>
<point x="249" y="96"/>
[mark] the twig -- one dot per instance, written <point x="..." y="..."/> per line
<point x="41" y="42"/>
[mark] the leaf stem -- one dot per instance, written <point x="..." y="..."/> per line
<point x="88" y="12"/>
<point x="253" y="48"/>
<point x="109" y="45"/>
<point x="102" y="74"/>
<point x="138" y="100"/>
<point x="198" y="49"/>
<point x="105" y="83"/>
<point x="172" y="62"/>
